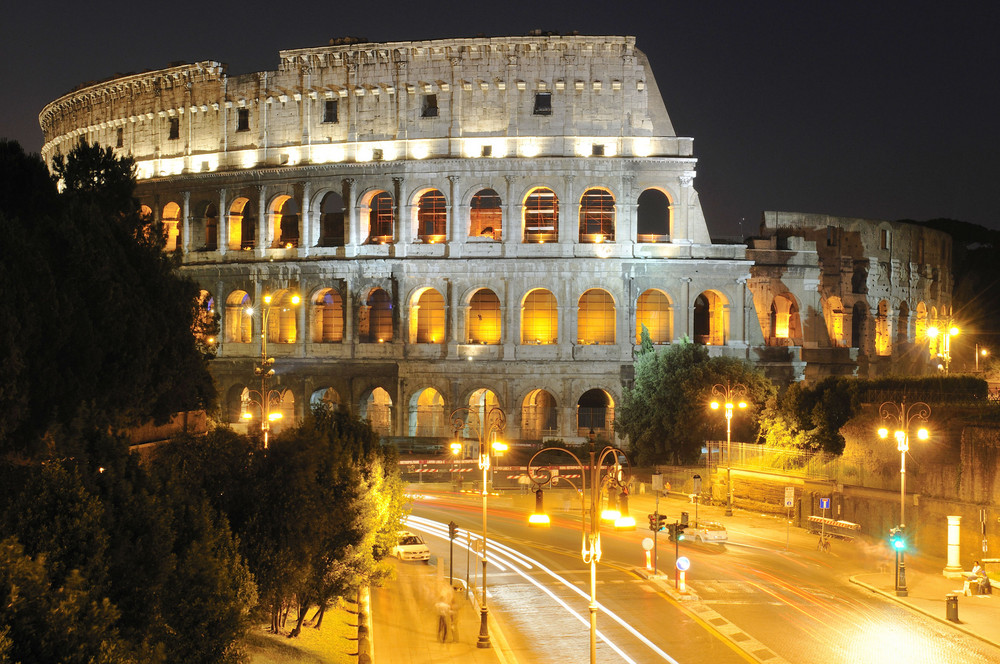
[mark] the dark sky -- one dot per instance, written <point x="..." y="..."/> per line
<point x="887" y="110"/>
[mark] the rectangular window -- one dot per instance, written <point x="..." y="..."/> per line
<point x="884" y="239"/>
<point x="175" y="128"/>
<point x="330" y="111"/>
<point x="920" y="251"/>
<point x="119" y="138"/>
<point x="430" y="107"/>
<point x="487" y="151"/>
<point x="597" y="150"/>
<point x="377" y="154"/>
<point x="243" y="119"/>
<point x="543" y="103"/>
<point x="831" y="236"/>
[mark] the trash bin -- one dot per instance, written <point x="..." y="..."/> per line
<point x="951" y="607"/>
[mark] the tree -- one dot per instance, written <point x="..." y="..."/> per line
<point x="663" y="415"/>
<point x="810" y="418"/>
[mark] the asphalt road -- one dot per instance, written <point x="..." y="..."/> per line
<point x="756" y="601"/>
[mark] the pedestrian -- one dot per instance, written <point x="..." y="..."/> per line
<point x="444" y="618"/>
<point x="453" y="613"/>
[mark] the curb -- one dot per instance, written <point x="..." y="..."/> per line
<point x="925" y="612"/>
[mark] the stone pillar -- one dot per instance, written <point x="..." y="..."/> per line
<point x="625" y="230"/>
<point x="186" y="224"/>
<point x="263" y="223"/>
<point x="954" y="568"/>
<point x="307" y="236"/>
<point x="354" y="236"/>
<point x="569" y="219"/>
<point x="679" y="231"/>
<point x="744" y="310"/>
<point x="401" y="234"/>
<point x="457" y="229"/>
<point x="511" y="223"/>
<point x="348" y="296"/>
<point x="222" y="242"/>
<point x="686" y="309"/>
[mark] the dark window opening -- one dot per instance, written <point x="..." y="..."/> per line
<point x="653" y="217"/>
<point x="884" y="238"/>
<point x="119" y="138"/>
<point x="543" y="103"/>
<point x="243" y="119"/>
<point x="831" y="236"/>
<point x="430" y="107"/>
<point x="332" y="230"/>
<point x="597" y="150"/>
<point x="487" y="151"/>
<point x="330" y="111"/>
<point x="175" y="128"/>
<point x="377" y="154"/>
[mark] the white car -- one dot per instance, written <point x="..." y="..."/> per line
<point x="411" y="547"/>
<point x="709" y="531"/>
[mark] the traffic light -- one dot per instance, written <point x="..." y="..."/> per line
<point x="652" y="522"/>
<point x="452" y="530"/>
<point x="897" y="538"/>
<point x="661" y="521"/>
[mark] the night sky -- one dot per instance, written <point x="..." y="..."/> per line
<point x="886" y="110"/>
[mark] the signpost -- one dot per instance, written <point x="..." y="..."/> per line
<point x="789" y="503"/>
<point x="696" y="482"/>
<point x="824" y="504"/>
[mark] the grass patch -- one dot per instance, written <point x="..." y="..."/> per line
<point x="334" y="643"/>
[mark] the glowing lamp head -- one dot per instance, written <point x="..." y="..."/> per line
<point x="456" y="448"/>
<point x="267" y="299"/>
<point x="883" y="433"/>
<point x="274" y="416"/>
<point x="742" y="404"/>
<point x="953" y="332"/>
<point x="247" y="416"/>
<point x="296" y="299"/>
<point x="499" y="447"/>
<point x="932" y="332"/>
<point x="249" y="311"/>
<point x="923" y="434"/>
<point x="715" y="405"/>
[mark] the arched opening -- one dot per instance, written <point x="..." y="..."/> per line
<point x="484" y="319"/>
<point x="287" y="409"/>
<point x="653" y="310"/>
<point x="432" y="217"/>
<point x="597" y="216"/>
<point x="539" y="415"/>
<point x="375" y="318"/>
<point x="332" y="230"/>
<point x="172" y="226"/>
<point x="328" y="317"/>
<point x="381" y="218"/>
<point x="595" y="411"/>
<point x="710" y="319"/>
<point x="835" y="321"/>
<point x="211" y="222"/>
<point x="932" y="342"/>
<point x="285" y="220"/>
<point x="427" y="416"/>
<point x="486" y="216"/>
<point x="541" y="216"/>
<point x="325" y="397"/>
<point x="204" y="322"/>
<point x="903" y="324"/>
<point x="539" y="318"/>
<point x="377" y="409"/>
<point x="784" y="318"/>
<point x="281" y="323"/>
<point x="883" y="341"/>
<point x="242" y="225"/>
<point x="859" y="318"/>
<point x="232" y="403"/>
<point x="239" y="323"/>
<point x="595" y="319"/>
<point x="430" y="317"/>
<point x="859" y="279"/>
<point x="920" y="323"/>
<point x="653" y="216"/>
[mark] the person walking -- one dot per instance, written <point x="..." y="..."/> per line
<point x="444" y="618"/>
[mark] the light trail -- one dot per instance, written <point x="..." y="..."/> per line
<point x="517" y="558"/>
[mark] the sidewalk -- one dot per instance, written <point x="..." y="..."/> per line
<point x="977" y="615"/>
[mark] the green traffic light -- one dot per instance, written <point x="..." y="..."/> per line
<point x="898" y="543"/>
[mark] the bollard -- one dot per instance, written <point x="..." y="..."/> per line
<point x="951" y="607"/>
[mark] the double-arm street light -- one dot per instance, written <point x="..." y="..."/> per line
<point x="946" y="334"/>
<point x="729" y="396"/>
<point x="899" y="418"/>
<point x="487" y="426"/>
<point x="603" y="477"/>
<point x="267" y="399"/>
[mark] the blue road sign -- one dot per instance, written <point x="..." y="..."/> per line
<point x="824" y="503"/>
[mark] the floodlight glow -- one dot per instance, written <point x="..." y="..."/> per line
<point x="539" y="520"/>
<point x="624" y="523"/>
<point x="883" y="433"/>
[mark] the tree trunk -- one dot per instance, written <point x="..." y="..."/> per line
<point x="318" y="616"/>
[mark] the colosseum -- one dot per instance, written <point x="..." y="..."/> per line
<point x="415" y="227"/>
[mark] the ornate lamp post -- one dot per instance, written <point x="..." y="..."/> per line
<point x="267" y="399"/>
<point x="602" y="478"/>
<point x="492" y="422"/>
<point x="946" y="336"/>
<point x="901" y="416"/>
<point x="732" y="396"/>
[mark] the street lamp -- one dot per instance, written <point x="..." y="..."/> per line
<point x="946" y="336"/>
<point x="901" y="416"/>
<point x="456" y="451"/>
<point x="492" y="422"/>
<point x="732" y="396"/>
<point x="266" y="399"/>
<point x="981" y="351"/>
<point x="590" y="522"/>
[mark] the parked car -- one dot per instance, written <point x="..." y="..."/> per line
<point x="411" y="547"/>
<point x="709" y="531"/>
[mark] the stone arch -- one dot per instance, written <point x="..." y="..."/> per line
<point x="654" y="216"/>
<point x="427" y="317"/>
<point x="375" y="317"/>
<point x="834" y="308"/>
<point x="859" y="323"/>
<point x="711" y="318"/>
<point x="205" y="226"/>
<point x="172" y="226"/>
<point x="431" y="216"/>
<point x="282" y="324"/>
<point x="883" y="338"/>
<point x="378" y="215"/>
<point x="785" y="327"/>
<point x="654" y="310"/>
<point x="539" y="318"/>
<point x="920" y="322"/>
<point x="376" y="408"/>
<point x="332" y="220"/>
<point x="326" y="397"/>
<point x="484" y="322"/>
<point x="283" y="221"/>
<point x="426" y="414"/>
<point x="239" y="321"/>
<point x="541" y="216"/>
<point x="596" y="318"/>
<point x="539" y="415"/>
<point x="205" y="318"/>
<point x="597" y="216"/>
<point x="327" y="317"/>
<point x="595" y="411"/>
<point x="486" y="215"/>
<point x="903" y="323"/>
<point x="242" y="225"/>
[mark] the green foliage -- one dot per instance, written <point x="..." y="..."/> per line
<point x="811" y="417"/>
<point x="99" y="331"/>
<point x="665" y="416"/>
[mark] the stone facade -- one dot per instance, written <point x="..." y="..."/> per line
<point x="468" y="222"/>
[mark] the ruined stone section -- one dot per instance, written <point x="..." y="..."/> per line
<point x="467" y="222"/>
<point x="852" y="292"/>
